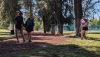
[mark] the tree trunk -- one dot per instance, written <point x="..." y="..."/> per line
<point x="78" y="15"/>
<point x="75" y="10"/>
<point x="53" y="29"/>
<point x="44" y="25"/>
<point x="31" y="7"/>
<point x="11" y="28"/>
<point x="61" y="22"/>
<point x="59" y="18"/>
<point x="60" y="25"/>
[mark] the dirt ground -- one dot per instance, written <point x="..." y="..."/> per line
<point x="8" y="45"/>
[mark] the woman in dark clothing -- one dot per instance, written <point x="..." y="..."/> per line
<point x="29" y="26"/>
<point x="19" y="25"/>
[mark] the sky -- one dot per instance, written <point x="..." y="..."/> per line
<point x="96" y="15"/>
<point x="97" y="6"/>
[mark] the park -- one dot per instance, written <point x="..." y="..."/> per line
<point x="56" y="28"/>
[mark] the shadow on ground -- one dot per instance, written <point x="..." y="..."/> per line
<point x="69" y="50"/>
<point x="91" y="38"/>
<point x="25" y="34"/>
<point x="11" y="47"/>
<point x="88" y="38"/>
<point x="44" y="49"/>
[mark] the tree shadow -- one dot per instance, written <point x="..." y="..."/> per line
<point x="43" y="34"/>
<point x="88" y="38"/>
<point x="43" y="49"/>
<point x="92" y="38"/>
<point x="73" y="36"/>
<point x="39" y="38"/>
<point x="6" y="38"/>
<point x="11" y="46"/>
<point x="26" y="36"/>
<point x="69" y="50"/>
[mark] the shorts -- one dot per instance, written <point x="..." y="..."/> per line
<point x="18" y="27"/>
<point x="85" y="28"/>
<point x="29" y="28"/>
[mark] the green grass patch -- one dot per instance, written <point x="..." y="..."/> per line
<point x="65" y="50"/>
<point x="71" y="48"/>
<point x="76" y="47"/>
<point x="5" y="33"/>
<point x="3" y="30"/>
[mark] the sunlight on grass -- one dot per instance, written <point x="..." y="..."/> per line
<point x="71" y="48"/>
<point x="5" y="33"/>
<point x="90" y="45"/>
<point x="3" y="30"/>
<point x="64" y="50"/>
<point x="94" y="35"/>
<point x="75" y="47"/>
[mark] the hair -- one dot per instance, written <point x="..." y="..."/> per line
<point x="31" y="15"/>
<point x="20" y="13"/>
<point x="83" y="16"/>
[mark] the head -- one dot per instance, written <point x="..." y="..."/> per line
<point x="17" y="13"/>
<point x="83" y="17"/>
<point x="31" y="16"/>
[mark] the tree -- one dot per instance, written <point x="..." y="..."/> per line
<point x="56" y="8"/>
<point x="78" y="14"/>
<point x="8" y="11"/>
<point x="90" y="6"/>
<point x="43" y="12"/>
<point x="28" y="4"/>
<point x="85" y="8"/>
<point x="38" y="23"/>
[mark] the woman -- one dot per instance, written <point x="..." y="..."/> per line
<point x="29" y="26"/>
<point x="84" y="27"/>
<point x="19" y="25"/>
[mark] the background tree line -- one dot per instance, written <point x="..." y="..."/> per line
<point x="50" y="13"/>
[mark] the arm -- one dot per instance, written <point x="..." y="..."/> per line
<point x="80" y="24"/>
<point x="86" y="23"/>
<point x="22" y="22"/>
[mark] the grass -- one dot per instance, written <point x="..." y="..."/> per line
<point x="5" y="33"/>
<point x="89" y="47"/>
<point x="68" y="49"/>
<point x="72" y="48"/>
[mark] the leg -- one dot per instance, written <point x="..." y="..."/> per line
<point x="16" y="31"/>
<point x="21" y="31"/>
<point x="82" y="32"/>
<point x="85" y="34"/>
<point x="30" y="36"/>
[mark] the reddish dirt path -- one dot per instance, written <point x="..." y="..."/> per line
<point x="38" y="40"/>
